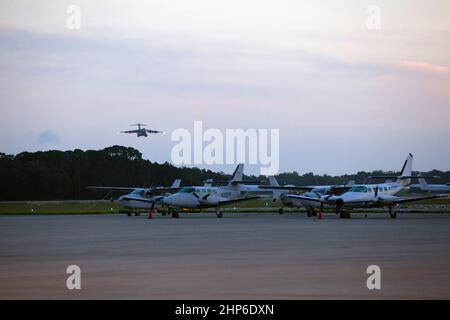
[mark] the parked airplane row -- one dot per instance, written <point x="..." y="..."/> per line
<point x="342" y="198"/>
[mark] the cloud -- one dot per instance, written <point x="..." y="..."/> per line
<point x="46" y="79"/>
<point x="48" y="137"/>
<point x="424" y="67"/>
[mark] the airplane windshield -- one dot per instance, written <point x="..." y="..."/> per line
<point x="187" y="190"/>
<point x="358" y="189"/>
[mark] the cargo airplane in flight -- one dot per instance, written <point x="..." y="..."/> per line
<point x="140" y="131"/>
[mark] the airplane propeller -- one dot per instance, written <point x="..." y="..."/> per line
<point x="206" y="197"/>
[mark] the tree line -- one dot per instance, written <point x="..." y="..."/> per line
<point x="64" y="175"/>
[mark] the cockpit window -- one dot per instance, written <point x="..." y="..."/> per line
<point x="187" y="190"/>
<point x="321" y="190"/>
<point x="358" y="189"/>
<point x="138" y="192"/>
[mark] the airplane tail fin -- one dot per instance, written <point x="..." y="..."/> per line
<point x="406" y="171"/>
<point x="273" y="181"/>
<point x="238" y="174"/>
<point x="423" y="183"/>
<point x="276" y="193"/>
<point x="176" y="183"/>
<point x="350" y="183"/>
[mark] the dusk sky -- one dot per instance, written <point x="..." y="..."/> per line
<point x="345" y="97"/>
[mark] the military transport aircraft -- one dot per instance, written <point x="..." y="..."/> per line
<point x="142" y="132"/>
<point x="368" y="195"/>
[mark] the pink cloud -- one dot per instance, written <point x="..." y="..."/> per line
<point x="424" y="67"/>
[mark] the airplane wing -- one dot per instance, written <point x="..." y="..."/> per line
<point x="303" y="188"/>
<point x="112" y="188"/>
<point x="403" y="177"/>
<point x="234" y="182"/>
<point x="419" y="198"/>
<point x="339" y="190"/>
<point x="140" y="199"/>
<point x="293" y="196"/>
<point x="130" y="131"/>
<point x="163" y="190"/>
<point x="237" y="200"/>
<point x="154" y="131"/>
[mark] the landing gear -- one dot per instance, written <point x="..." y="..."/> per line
<point x="129" y="213"/>
<point x="175" y="214"/>
<point x="137" y="213"/>
<point x="280" y="211"/>
<point x="344" y="214"/>
<point x="219" y="213"/>
<point x="311" y="212"/>
<point x="392" y="213"/>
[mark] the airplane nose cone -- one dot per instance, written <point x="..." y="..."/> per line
<point x="121" y="201"/>
<point x="170" y="200"/>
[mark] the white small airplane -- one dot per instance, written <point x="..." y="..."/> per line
<point x="142" y="132"/>
<point x="142" y="198"/>
<point x="281" y="193"/>
<point x="368" y="195"/>
<point x="209" y="196"/>
<point x="424" y="186"/>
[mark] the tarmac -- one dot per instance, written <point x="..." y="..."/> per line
<point x="241" y="256"/>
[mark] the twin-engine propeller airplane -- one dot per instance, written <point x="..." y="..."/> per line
<point x="282" y="192"/>
<point x="368" y="195"/>
<point x="142" y="132"/>
<point x="142" y="198"/>
<point x="430" y="188"/>
<point x="212" y="197"/>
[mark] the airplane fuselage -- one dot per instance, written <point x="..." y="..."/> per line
<point x="200" y="197"/>
<point x="361" y="196"/>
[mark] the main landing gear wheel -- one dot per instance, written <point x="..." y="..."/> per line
<point x="129" y="213"/>
<point x="311" y="212"/>
<point x="344" y="215"/>
<point x="392" y="213"/>
<point x="175" y="215"/>
<point x="280" y="211"/>
<point x="137" y="213"/>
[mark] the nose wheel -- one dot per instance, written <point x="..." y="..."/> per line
<point x="392" y="213"/>
<point x="219" y="213"/>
